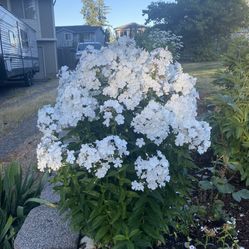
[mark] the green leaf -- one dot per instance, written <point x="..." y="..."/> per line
<point x="247" y="181"/>
<point x="242" y="194"/>
<point x="120" y="245"/>
<point x="134" y="233"/>
<point x="98" y="221"/>
<point x="20" y="212"/>
<point x="6" y="228"/>
<point x="206" y="185"/>
<point x="226" y="188"/>
<point x="152" y="232"/>
<point x="101" y="233"/>
<point x="119" y="237"/>
<point x="130" y="245"/>
<point x="40" y="201"/>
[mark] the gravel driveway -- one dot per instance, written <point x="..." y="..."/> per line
<point x="19" y="135"/>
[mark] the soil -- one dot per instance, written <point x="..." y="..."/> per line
<point x="239" y="211"/>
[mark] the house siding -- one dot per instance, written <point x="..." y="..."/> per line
<point x="4" y="3"/>
<point x="50" y="61"/>
<point x="43" y="23"/>
<point x="17" y="8"/>
<point x="46" y="15"/>
<point x="96" y="35"/>
<point x="62" y="42"/>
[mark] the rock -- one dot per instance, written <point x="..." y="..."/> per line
<point x="44" y="228"/>
<point x="49" y="194"/>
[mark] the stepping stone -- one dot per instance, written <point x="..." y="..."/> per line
<point x="45" y="228"/>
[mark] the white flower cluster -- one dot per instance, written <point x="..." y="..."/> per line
<point x="154" y="172"/>
<point x="108" y="108"/>
<point x="49" y="154"/>
<point x="153" y="122"/>
<point x="143" y="92"/>
<point x="100" y="156"/>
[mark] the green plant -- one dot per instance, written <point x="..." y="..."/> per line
<point x="219" y="184"/>
<point x="228" y="233"/>
<point x="230" y="118"/>
<point x="6" y="230"/>
<point x="17" y="193"/>
<point x="116" y="216"/>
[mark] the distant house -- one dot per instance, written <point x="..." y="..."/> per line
<point x="39" y="14"/>
<point x="70" y="36"/>
<point x="129" y="30"/>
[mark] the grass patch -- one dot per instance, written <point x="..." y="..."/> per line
<point x="205" y="73"/>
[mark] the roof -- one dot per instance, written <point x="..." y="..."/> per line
<point x="131" y="25"/>
<point x="79" y="28"/>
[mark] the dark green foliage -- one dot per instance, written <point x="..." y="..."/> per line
<point x="7" y="231"/>
<point x="115" y="216"/>
<point x="230" y="118"/>
<point x="16" y="194"/>
<point x="206" y="25"/>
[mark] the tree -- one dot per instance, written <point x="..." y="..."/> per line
<point x="109" y="35"/>
<point x="204" y="24"/>
<point x="94" y="12"/>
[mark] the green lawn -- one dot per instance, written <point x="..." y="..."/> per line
<point x="205" y="73"/>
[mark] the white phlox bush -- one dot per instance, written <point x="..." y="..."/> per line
<point x="123" y="86"/>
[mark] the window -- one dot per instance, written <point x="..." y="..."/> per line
<point x="24" y="39"/>
<point x="29" y="9"/>
<point x="68" y="37"/>
<point x="12" y="38"/>
<point x="87" y="37"/>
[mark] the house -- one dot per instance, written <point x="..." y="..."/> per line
<point x="39" y="14"/>
<point x="70" y="36"/>
<point x="129" y="30"/>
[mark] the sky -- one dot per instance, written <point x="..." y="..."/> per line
<point x="67" y="12"/>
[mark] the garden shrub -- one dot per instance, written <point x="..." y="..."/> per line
<point x="119" y="138"/>
<point x="198" y="53"/>
<point x="17" y="198"/>
<point x="230" y="117"/>
<point x="153" y="38"/>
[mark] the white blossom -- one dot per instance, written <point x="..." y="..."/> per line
<point x="87" y="242"/>
<point x="102" y="154"/>
<point x="154" y="122"/>
<point x="123" y="90"/>
<point x="140" y="142"/>
<point x="70" y="157"/>
<point x="138" y="186"/>
<point x="112" y="109"/>
<point x="154" y="171"/>
<point x="49" y="154"/>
